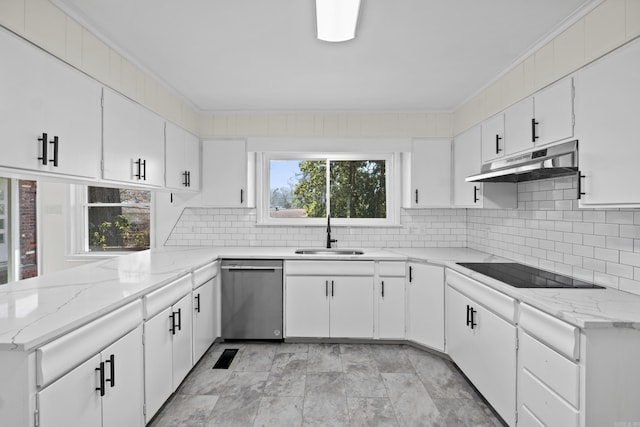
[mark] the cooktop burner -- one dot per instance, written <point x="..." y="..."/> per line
<point x="523" y="276"/>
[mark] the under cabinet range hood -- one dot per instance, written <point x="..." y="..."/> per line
<point x="550" y="162"/>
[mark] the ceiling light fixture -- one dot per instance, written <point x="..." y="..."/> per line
<point x="337" y="19"/>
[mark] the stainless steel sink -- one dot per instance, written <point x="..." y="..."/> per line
<point x="322" y="251"/>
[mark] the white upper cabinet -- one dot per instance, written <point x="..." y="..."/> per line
<point x="540" y="119"/>
<point x="430" y="177"/>
<point x="607" y="113"/>
<point x="466" y="162"/>
<point x="133" y="142"/>
<point x="517" y="126"/>
<point x="553" y="108"/>
<point x="182" y="161"/>
<point x="224" y="173"/>
<point x="41" y="95"/>
<point x="493" y="143"/>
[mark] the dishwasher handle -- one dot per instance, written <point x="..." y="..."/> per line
<point x="249" y="268"/>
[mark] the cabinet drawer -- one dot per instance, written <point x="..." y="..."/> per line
<point x="392" y="269"/>
<point x="497" y="302"/>
<point x="555" y="333"/>
<point x="166" y="296"/>
<point x="554" y="370"/>
<point x="62" y="355"/>
<point x="544" y="404"/>
<point x="330" y="268"/>
<point x="204" y="274"/>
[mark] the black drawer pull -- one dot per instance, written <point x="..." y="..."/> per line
<point x="112" y="370"/>
<point x="101" y="387"/>
<point x="45" y="142"/>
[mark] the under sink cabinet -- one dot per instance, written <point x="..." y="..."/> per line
<point x="425" y="305"/>
<point x="83" y="383"/>
<point x="329" y="299"/>
<point x="481" y="338"/>
<point x="167" y="341"/>
<point x="206" y="308"/>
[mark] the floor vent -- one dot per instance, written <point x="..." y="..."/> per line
<point x="226" y="358"/>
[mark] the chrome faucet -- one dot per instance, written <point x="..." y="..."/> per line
<point x="329" y="239"/>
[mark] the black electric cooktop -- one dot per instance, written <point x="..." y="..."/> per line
<point x="523" y="276"/>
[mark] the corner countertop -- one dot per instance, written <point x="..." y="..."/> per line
<point x="38" y="310"/>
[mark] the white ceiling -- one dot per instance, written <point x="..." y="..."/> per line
<point x="263" y="55"/>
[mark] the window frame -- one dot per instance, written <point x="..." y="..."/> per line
<point x="392" y="188"/>
<point x="80" y="237"/>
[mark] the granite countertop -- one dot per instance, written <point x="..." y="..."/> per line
<point x="37" y="310"/>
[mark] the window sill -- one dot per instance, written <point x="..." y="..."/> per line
<point x="96" y="256"/>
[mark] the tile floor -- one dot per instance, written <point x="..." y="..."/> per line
<point x="325" y="385"/>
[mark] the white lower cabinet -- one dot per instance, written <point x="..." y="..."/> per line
<point x="481" y="340"/>
<point x="167" y="342"/>
<point x="204" y="318"/>
<point x="107" y="389"/>
<point x="425" y="305"/>
<point x="391" y="300"/>
<point x="336" y="306"/>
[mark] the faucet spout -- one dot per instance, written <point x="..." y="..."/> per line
<point x="329" y="239"/>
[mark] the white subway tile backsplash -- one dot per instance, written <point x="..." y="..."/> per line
<point x="601" y="245"/>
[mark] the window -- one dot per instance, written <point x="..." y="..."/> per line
<point x="4" y="230"/>
<point x="304" y="189"/>
<point x="116" y="219"/>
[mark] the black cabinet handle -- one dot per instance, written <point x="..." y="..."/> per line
<point x="55" y="151"/>
<point x="580" y="192"/>
<point x="498" y="149"/>
<point x="332" y="288"/>
<point x="475" y="194"/>
<point x="326" y="288"/>
<point x="416" y="196"/>
<point x="383" y="289"/>
<point x="468" y="315"/>
<point x="410" y="274"/>
<point x="241" y="196"/>
<point x="185" y="182"/>
<point x="533" y="130"/>
<point x="112" y="370"/>
<point x="144" y="170"/>
<point x="45" y="142"/>
<point x="100" y="388"/>
<point x="139" y="164"/>
<point x="188" y="178"/>
<point x="198" y="301"/>
<point x="473" y="318"/>
<point x="179" y="325"/>
<point x="172" y="329"/>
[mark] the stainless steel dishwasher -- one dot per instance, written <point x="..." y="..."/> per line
<point x="252" y="299"/>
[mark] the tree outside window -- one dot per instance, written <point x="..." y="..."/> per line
<point x="118" y="219"/>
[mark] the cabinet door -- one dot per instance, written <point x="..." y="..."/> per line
<point x="133" y="142"/>
<point x="431" y="173"/>
<point x="425" y="302"/>
<point x="224" y="173"/>
<point x="486" y="353"/>
<point x="607" y="106"/>
<point x="182" y="159"/>
<point x="517" y="127"/>
<point x="182" y="340"/>
<point x="351" y="307"/>
<point x="73" y="399"/>
<point x="41" y="94"/>
<point x="175" y="167"/>
<point x="553" y="108"/>
<point x="124" y="396"/>
<point x="204" y="314"/>
<point x="391" y="308"/>
<point x="307" y="306"/>
<point x="158" y="361"/>
<point x="493" y="142"/>
<point x="466" y="162"/>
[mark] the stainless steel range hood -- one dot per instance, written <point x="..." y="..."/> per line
<point x="558" y="160"/>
